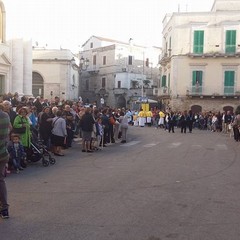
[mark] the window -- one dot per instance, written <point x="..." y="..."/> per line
<point x="198" y="42"/>
<point x="197" y="82"/>
<point x="164" y="81"/>
<point x="119" y="84"/>
<point x="103" y="82"/>
<point x="229" y="77"/>
<point x="230" y="41"/>
<point x="104" y="60"/>
<point x="130" y="60"/>
<point x="94" y="59"/>
<point x="91" y="45"/>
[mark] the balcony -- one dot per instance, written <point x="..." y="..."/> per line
<point x="120" y="91"/>
<point x="195" y="91"/>
<point x="93" y="70"/>
<point x="165" y="59"/>
<point x="214" y="55"/>
<point x="164" y="91"/>
<point x="200" y="91"/>
<point x="229" y="91"/>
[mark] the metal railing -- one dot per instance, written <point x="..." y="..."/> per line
<point x="200" y="90"/>
<point x="229" y="90"/>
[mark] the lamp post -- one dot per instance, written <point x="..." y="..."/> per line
<point x="83" y="65"/>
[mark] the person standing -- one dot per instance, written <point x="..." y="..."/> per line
<point x="8" y="109"/>
<point x="105" y="123"/>
<point x="21" y="121"/>
<point x="183" y="122"/>
<point x="190" y="119"/>
<point x="87" y="121"/>
<point x="37" y="103"/>
<point x="171" y="122"/>
<point x="5" y="126"/>
<point x="45" y="126"/>
<point x="59" y="134"/>
<point x="142" y="118"/>
<point x="69" y="117"/>
<point x="124" y="126"/>
<point x="161" y="119"/>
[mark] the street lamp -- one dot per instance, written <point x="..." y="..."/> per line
<point x="83" y="65"/>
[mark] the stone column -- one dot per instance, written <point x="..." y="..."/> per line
<point x="27" y="68"/>
<point x="17" y="66"/>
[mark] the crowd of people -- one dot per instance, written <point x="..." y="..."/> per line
<point x="168" y="120"/>
<point x="56" y="123"/>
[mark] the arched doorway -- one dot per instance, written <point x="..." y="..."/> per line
<point x="37" y="84"/>
<point x="196" y="109"/>
<point x="121" y="102"/>
<point x="228" y="108"/>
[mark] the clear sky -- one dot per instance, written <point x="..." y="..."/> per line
<point x="69" y="23"/>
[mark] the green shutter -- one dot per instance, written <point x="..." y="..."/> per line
<point x="198" y="42"/>
<point x="230" y="41"/>
<point x="197" y="78"/>
<point x="229" y="82"/>
<point x="164" y="80"/>
<point x="194" y="74"/>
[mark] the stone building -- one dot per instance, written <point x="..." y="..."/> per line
<point x="119" y="73"/>
<point x="15" y="61"/>
<point x="55" y="73"/>
<point x="200" y="65"/>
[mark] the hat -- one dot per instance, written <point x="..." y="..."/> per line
<point x="22" y="109"/>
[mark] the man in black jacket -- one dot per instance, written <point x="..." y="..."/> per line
<point x="86" y="124"/>
<point x="38" y="105"/>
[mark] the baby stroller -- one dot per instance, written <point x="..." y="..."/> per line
<point x="38" y="151"/>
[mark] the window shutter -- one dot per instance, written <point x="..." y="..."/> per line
<point x="164" y="80"/>
<point x="229" y="78"/>
<point x="229" y="82"/>
<point x="198" y="41"/>
<point x="197" y="76"/>
<point x="230" y="41"/>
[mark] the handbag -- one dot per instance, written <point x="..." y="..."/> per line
<point x="20" y="130"/>
<point x="112" y="120"/>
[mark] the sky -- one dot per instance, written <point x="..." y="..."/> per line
<point x="70" y="23"/>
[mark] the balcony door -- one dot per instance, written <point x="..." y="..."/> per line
<point x="197" y="82"/>
<point x="229" y="77"/>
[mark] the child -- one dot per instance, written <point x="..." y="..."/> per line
<point x="16" y="152"/>
<point x="99" y="132"/>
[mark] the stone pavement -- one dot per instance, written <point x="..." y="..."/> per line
<point x="157" y="186"/>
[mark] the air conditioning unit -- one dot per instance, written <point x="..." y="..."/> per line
<point x="124" y="69"/>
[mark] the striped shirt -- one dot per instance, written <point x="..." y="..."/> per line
<point x="4" y="131"/>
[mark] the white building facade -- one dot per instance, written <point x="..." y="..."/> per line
<point x="118" y="72"/>
<point x="15" y="62"/>
<point x="200" y="64"/>
<point x="55" y="73"/>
